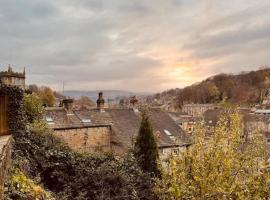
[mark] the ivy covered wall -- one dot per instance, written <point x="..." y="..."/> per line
<point x="16" y="117"/>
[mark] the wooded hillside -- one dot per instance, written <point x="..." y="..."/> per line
<point x="246" y="87"/>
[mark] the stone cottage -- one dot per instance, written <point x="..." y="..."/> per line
<point x="104" y="129"/>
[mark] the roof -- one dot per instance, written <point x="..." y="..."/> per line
<point x="250" y="117"/>
<point x="60" y="118"/>
<point x="182" y="117"/>
<point x="162" y="122"/>
<point x="262" y="112"/>
<point x="125" y="124"/>
<point x="212" y="116"/>
<point x="198" y="105"/>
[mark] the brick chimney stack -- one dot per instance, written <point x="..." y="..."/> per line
<point x="68" y="104"/>
<point x="100" y="102"/>
<point x="133" y="101"/>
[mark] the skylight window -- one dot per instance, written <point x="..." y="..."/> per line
<point x="167" y="132"/>
<point x="49" y="120"/>
<point x="172" y="137"/>
<point x="86" y="120"/>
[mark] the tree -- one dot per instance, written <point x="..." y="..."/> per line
<point x="226" y="165"/>
<point x="33" y="107"/>
<point x="85" y="101"/>
<point x="146" y="150"/>
<point x="47" y="96"/>
<point x="34" y="88"/>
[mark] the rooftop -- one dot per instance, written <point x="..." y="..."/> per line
<point x="125" y="124"/>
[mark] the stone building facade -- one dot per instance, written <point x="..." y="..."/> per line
<point x="86" y="139"/>
<point x="197" y="110"/>
<point x="12" y="78"/>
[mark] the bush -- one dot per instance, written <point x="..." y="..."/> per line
<point x="72" y="175"/>
<point x="22" y="187"/>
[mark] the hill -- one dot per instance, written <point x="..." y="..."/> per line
<point x="245" y="88"/>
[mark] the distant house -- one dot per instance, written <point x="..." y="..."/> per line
<point x="12" y="78"/>
<point x="185" y="121"/>
<point x="103" y="129"/>
<point x="197" y="110"/>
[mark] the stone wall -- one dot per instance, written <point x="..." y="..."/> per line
<point x="89" y="139"/>
<point x="5" y="161"/>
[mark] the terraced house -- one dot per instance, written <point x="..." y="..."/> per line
<point x="102" y="129"/>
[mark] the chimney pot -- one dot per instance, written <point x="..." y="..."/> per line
<point x="68" y="104"/>
<point x="100" y="102"/>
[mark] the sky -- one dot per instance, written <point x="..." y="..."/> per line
<point x="135" y="45"/>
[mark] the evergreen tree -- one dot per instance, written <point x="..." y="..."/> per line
<point x="146" y="150"/>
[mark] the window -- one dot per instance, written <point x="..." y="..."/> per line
<point x="175" y="151"/>
<point x="86" y="120"/>
<point x="172" y="137"/>
<point x="17" y="81"/>
<point x="49" y="120"/>
<point x="167" y="132"/>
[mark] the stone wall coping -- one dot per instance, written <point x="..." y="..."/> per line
<point x="4" y="141"/>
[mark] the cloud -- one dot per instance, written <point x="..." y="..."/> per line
<point x="132" y="45"/>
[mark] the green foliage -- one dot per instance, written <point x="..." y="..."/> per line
<point x="33" y="107"/>
<point x="146" y="150"/>
<point x="21" y="187"/>
<point x="15" y="108"/>
<point x="72" y="175"/>
<point x="227" y="164"/>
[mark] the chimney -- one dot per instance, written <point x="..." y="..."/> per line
<point x="100" y="102"/>
<point x="133" y="101"/>
<point x="68" y="104"/>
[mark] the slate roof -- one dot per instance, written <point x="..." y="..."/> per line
<point x="161" y="122"/>
<point x="125" y="124"/>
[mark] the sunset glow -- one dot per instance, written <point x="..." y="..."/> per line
<point x="129" y="45"/>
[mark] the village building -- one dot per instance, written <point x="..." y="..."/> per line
<point x="197" y="110"/>
<point x="185" y="121"/>
<point x="12" y="78"/>
<point x="112" y="130"/>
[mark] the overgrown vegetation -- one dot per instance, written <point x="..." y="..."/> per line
<point x="22" y="187"/>
<point x="71" y="175"/>
<point x="46" y="94"/>
<point x="223" y="164"/>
